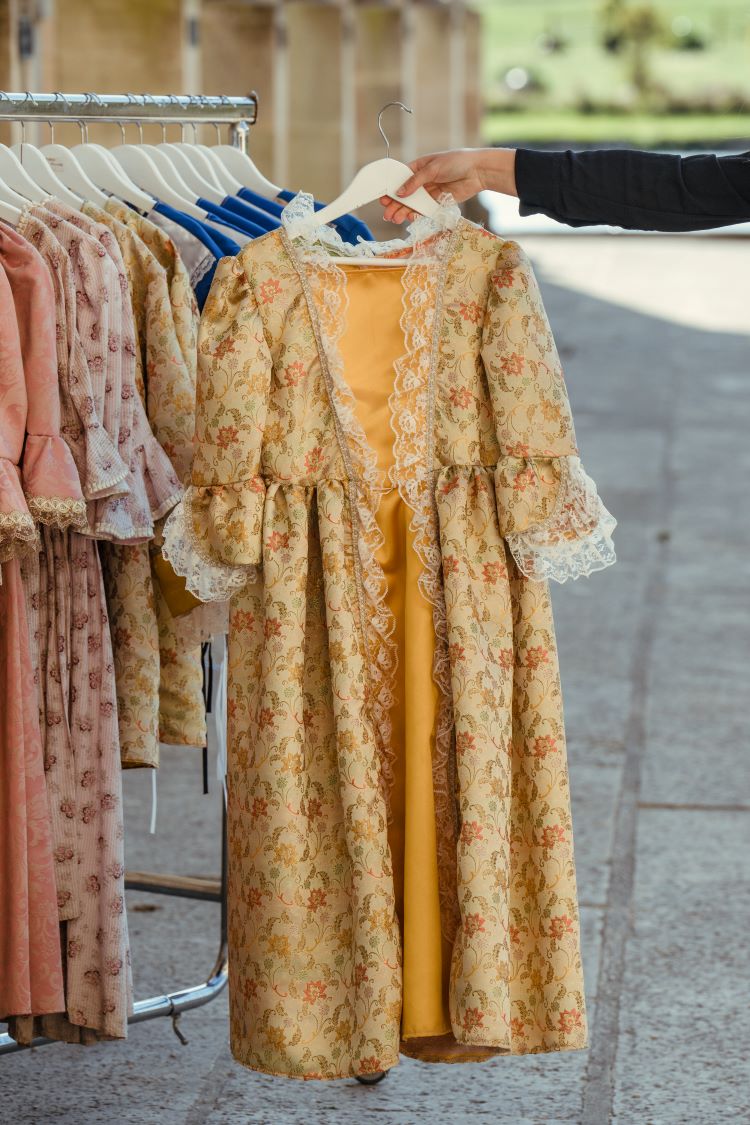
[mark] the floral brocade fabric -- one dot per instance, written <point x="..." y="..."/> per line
<point x="159" y="680"/>
<point x="280" y="515"/>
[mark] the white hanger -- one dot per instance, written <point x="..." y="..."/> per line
<point x="38" y="167"/>
<point x="239" y="164"/>
<point x="191" y="176"/>
<point x="12" y="199"/>
<point x="144" y="171"/>
<point x="145" y="167"/>
<point x="17" y="178"/>
<point x="223" y="176"/>
<point x="10" y="213"/>
<point x="170" y="172"/>
<point x="212" y="171"/>
<point x="66" y="166"/>
<point x="379" y="177"/>
<point x="108" y="174"/>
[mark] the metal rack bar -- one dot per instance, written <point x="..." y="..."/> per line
<point x="160" y="109"/>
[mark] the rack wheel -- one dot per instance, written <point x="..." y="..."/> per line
<point x="371" y="1079"/>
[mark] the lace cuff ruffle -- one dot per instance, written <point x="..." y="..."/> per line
<point x="18" y="532"/>
<point x="553" y="519"/>
<point x="51" y="483"/>
<point x="205" y="578"/>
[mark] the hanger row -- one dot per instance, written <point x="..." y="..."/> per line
<point x="176" y="173"/>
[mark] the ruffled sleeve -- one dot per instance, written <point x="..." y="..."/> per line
<point x="213" y="538"/>
<point x="18" y="533"/>
<point x="49" y="476"/>
<point x="552" y="518"/>
<point x="549" y="510"/>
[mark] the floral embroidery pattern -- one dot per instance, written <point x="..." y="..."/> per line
<point x="276" y="519"/>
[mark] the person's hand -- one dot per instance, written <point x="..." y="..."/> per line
<point x="456" y="171"/>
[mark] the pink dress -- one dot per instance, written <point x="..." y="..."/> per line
<point x="153" y="485"/>
<point x="31" y="980"/>
<point x="72" y="657"/>
<point x="101" y="470"/>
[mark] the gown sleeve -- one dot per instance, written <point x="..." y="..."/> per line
<point x="50" y="478"/>
<point x="549" y="510"/>
<point x="213" y="536"/>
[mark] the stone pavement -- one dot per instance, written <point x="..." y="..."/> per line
<point x="655" y="337"/>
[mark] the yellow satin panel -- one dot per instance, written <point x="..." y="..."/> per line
<point x="371" y="342"/>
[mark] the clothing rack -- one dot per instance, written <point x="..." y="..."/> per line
<point x="120" y="109"/>
<point x="239" y="113"/>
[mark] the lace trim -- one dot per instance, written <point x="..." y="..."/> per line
<point x="575" y="540"/>
<point x="55" y="511"/>
<point x="411" y="417"/>
<point x="208" y="580"/>
<point x="18" y="535"/>
<point x="412" y="404"/>
<point x="300" y="221"/>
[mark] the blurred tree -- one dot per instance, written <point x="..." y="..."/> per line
<point x="632" y="29"/>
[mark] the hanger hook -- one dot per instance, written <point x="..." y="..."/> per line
<point x="26" y="98"/>
<point x="173" y="101"/>
<point x="97" y="101"/>
<point x="132" y="100"/>
<point x="66" y="103"/>
<point x="380" y="115"/>
<point x="84" y="124"/>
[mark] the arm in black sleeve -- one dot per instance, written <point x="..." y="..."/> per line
<point x="635" y="190"/>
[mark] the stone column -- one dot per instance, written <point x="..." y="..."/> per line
<point x="320" y="95"/>
<point x="243" y="49"/>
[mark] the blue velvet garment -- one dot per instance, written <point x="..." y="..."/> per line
<point x="347" y="226"/>
<point x="216" y="241"/>
<point x="230" y="218"/>
<point x="269" y="205"/>
<point x="251" y="212"/>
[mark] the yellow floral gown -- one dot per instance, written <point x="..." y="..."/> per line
<point x="385" y="478"/>
<point x="159" y="678"/>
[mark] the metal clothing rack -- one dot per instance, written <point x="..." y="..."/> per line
<point x="239" y="113"/>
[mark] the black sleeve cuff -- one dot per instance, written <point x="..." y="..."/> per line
<point x="538" y="181"/>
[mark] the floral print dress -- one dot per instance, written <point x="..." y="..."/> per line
<point x="72" y="665"/>
<point x="159" y="678"/>
<point x="285" y="514"/>
<point x="31" y="975"/>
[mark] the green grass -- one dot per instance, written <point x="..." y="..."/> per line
<point x="511" y="31"/>
<point x="645" y="131"/>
